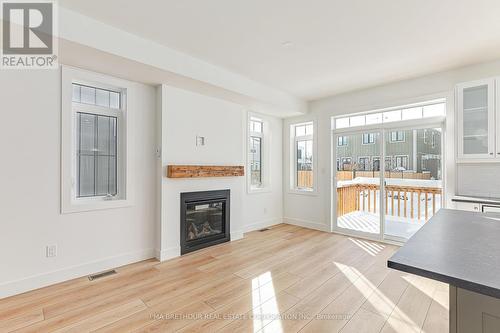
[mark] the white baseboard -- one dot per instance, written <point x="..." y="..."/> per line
<point x="307" y="224"/>
<point x="263" y="224"/>
<point x="46" y="279"/>
<point x="235" y="235"/>
<point x="168" y="253"/>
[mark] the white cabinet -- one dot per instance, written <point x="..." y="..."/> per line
<point x="478" y="121"/>
<point x="470" y="206"/>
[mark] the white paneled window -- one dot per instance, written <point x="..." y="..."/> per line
<point x="368" y="138"/>
<point x="95" y="155"/>
<point x="342" y="141"/>
<point x="97" y="120"/>
<point x="398" y="136"/>
<point x="428" y="109"/>
<point x="256" y="141"/>
<point x="401" y="162"/>
<point x="303" y="152"/>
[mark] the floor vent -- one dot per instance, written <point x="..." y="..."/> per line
<point x="101" y="275"/>
<point x="265" y="229"/>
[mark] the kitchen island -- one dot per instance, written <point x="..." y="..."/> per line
<point x="462" y="249"/>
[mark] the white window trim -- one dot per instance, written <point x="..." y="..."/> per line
<point x="345" y="142"/>
<point x="368" y="158"/>
<point x="293" y="189"/>
<point x="407" y="160"/>
<point x="265" y="154"/>
<point x="397" y="141"/>
<point x="363" y="139"/>
<point x="125" y="171"/>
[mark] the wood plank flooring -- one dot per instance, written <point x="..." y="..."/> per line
<point x="286" y="279"/>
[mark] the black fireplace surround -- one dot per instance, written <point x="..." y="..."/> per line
<point x="204" y="219"/>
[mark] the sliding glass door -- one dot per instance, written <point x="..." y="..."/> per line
<point x="413" y="179"/>
<point x="392" y="175"/>
<point x="358" y="182"/>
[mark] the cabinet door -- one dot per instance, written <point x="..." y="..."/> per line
<point x="470" y="206"/>
<point x="476" y="120"/>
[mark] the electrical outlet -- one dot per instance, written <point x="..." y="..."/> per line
<point x="51" y="251"/>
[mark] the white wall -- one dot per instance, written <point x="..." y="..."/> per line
<point x="186" y="115"/>
<point x="30" y="216"/>
<point x="314" y="210"/>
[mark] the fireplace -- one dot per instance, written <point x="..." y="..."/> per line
<point x="204" y="219"/>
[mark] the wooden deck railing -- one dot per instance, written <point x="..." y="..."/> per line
<point x="400" y="200"/>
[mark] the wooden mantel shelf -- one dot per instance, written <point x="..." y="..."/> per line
<point x="199" y="171"/>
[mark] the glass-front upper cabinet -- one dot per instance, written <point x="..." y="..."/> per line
<point x="476" y="120"/>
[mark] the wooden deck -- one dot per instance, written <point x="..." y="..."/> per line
<point x="287" y="279"/>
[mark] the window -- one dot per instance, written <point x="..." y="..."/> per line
<point x="303" y="156"/>
<point x="428" y="109"/>
<point x="398" y="136"/>
<point x="94" y="144"/>
<point x="255" y="152"/>
<point x="342" y="141"/>
<point x="368" y="138"/>
<point x="388" y="163"/>
<point x="401" y="163"/>
<point x="96" y="155"/>
<point x="376" y="163"/>
<point x="430" y="138"/>
<point x="97" y="116"/>
<point x="346" y="163"/>
<point x="364" y="163"/>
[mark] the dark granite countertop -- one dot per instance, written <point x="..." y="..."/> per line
<point x="456" y="247"/>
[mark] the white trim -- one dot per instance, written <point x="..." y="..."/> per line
<point x="49" y="278"/>
<point x="236" y="235"/>
<point x="263" y="224"/>
<point x="69" y="204"/>
<point x="168" y="253"/>
<point x="307" y="224"/>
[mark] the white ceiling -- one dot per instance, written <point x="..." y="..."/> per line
<point x="335" y="45"/>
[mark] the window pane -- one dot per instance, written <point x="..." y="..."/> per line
<point x="412" y="113"/>
<point x="342" y="123"/>
<point x="434" y="110"/>
<point x="375" y="118"/>
<point x="102" y="98"/>
<point x="358" y="121"/>
<point x="256" y="160"/>
<point x="304" y="164"/>
<point x="392" y="116"/>
<point x="300" y="130"/>
<point x="102" y="176"/>
<point x="113" y="189"/>
<point x="86" y="176"/>
<point x="86" y="133"/>
<point x="88" y="95"/>
<point x="76" y="93"/>
<point x="114" y="100"/>
<point x="309" y="129"/>
<point x="103" y="135"/>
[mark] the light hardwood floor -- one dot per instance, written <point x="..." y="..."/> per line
<point x="286" y="279"/>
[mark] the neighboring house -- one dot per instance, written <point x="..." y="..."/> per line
<point x="409" y="150"/>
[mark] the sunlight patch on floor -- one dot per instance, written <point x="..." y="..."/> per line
<point x="371" y="248"/>
<point x="264" y="304"/>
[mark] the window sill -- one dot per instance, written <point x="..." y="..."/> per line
<point x="92" y="205"/>
<point x="259" y="190"/>
<point x="312" y="192"/>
